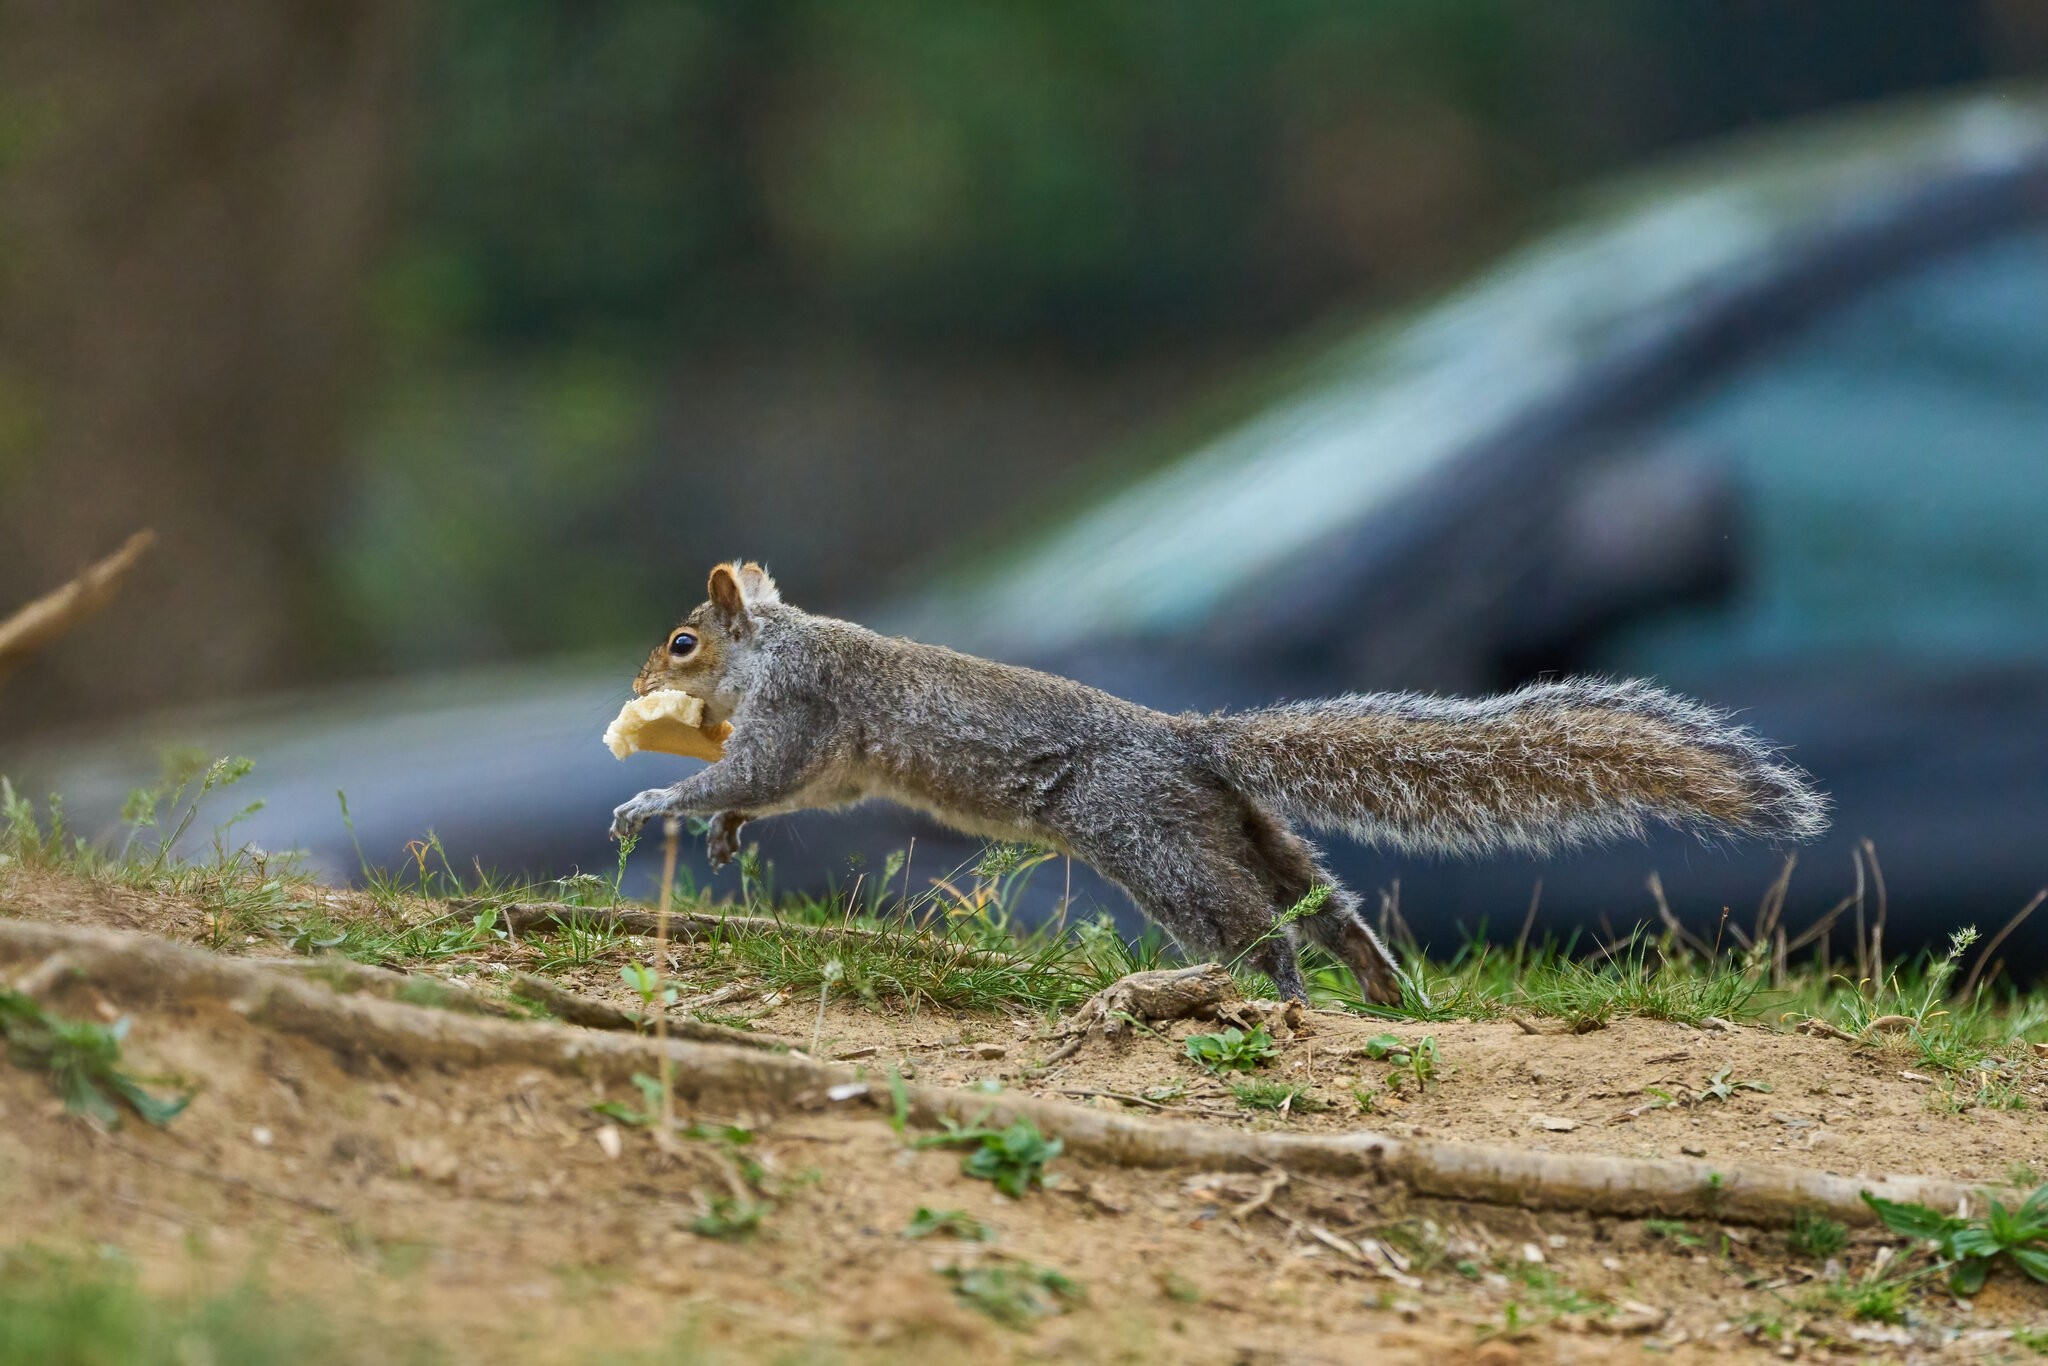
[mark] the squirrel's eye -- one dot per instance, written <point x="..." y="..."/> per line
<point x="683" y="643"/>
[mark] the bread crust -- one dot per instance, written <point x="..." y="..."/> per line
<point x="666" y="721"/>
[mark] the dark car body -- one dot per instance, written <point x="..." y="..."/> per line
<point x="1770" y="425"/>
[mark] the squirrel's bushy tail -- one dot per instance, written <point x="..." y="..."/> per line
<point x="1549" y="765"/>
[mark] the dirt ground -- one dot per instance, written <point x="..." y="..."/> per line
<point x="490" y="1212"/>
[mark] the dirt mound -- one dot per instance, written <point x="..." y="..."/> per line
<point x="472" y="1195"/>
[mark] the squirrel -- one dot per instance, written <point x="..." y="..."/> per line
<point x="1194" y="816"/>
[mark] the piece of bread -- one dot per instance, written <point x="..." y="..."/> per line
<point x="667" y="721"/>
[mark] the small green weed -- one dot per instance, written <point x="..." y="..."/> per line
<point x="641" y="1116"/>
<point x="83" y="1060"/>
<point x="1673" y="1231"/>
<point x="1273" y="1095"/>
<point x="1233" y="1050"/>
<point x="731" y="1216"/>
<point x="649" y="984"/>
<point x="580" y="941"/>
<point x="1419" y="1060"/>
<point x="1550" y="1292"/>
<point x="1014" y="1158"/>
<point x="1015" y="1294"/>
<point x="69" y="1311"/>
<point x="1968" y="1248"/>
<point x="950" y="1223"/>
<point x="1816" y="1236"/>
<point x="1719" y="1087"/>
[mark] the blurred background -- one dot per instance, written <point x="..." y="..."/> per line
<point x="1215" y="353"/>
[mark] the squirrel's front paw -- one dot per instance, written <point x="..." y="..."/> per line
<point x="722" y="840"/>
<point x="630" y="816"/>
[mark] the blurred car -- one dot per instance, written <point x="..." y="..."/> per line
<point x="1769" y="425"/>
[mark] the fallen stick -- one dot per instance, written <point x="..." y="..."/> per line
<point x="51" y="615"/>
<point x="142" y="969"/>
<point x="586" y="1013"/>
<point x="347" y="976"/>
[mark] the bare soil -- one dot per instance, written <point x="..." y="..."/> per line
<point x="491" y="1212"/>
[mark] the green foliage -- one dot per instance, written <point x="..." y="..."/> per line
<point x="1673" y="1231"/>
<point x="648" y="984"/>
<point x="1719" y="1087"/>
<point x="1273" y="1095"/>
<point x="731" y="1216"/>
<point x="1016" y="1294"/>
<point x="66" y="1311"/>
<point x="1233" y="1050"/>
<point x="1014" y="1158"/>
<point x="987" y="171"/>
<point x="950" y="1223"/>
<point x="83" y="1060"/>
<point x="148" y="853"/>
<point x="639" y="1116"/>
<point x="1816" y="1236"/>
<point x="1419" y="1059"/>
<point x="1969" y="1247"/>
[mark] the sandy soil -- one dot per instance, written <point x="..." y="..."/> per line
<point x="490" y="1211"/>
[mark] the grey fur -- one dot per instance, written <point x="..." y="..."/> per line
<point x="1461" y="776"/>
<point x="1188" y="814"/>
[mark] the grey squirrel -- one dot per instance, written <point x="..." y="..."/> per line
<point x="1192" y="815"/>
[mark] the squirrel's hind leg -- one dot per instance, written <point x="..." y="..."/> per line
<point x="1288" y="863"/>
<point x="1215" y="906"/>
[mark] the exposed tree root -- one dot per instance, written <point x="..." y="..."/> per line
<point x="570" y="1008"/>
<point x="140" y="970"/>
<point x="522" y="916"/>
<point x="1203" y="991"/>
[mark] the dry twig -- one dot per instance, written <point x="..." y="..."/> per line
<point x="51" y="615"/>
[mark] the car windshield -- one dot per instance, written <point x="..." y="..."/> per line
<point x="1373" y="418"/>
<point x="1893" y="461"/>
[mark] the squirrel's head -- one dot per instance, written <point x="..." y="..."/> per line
<point x="705" y="654"/>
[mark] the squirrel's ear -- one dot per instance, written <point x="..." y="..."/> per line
<point x="756" y="587"/>
<point x="727" y="601"/>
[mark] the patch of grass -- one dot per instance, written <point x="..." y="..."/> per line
<point x="1969" y="1248"/>
<point x="578" y="941"/>
<point x="83" y="1059"/>
<point x="1814" y="1235"/>
<point x="639" y="1116"/>
<point x="1877" y="1300"/>
<point x="1626" y="983"/>
<point x="1015" y="1294"/>
<point x="1420" y="1060"/>
<point x="949" y="1223"/>
<point x="960" y="944"/>
<point x="68" y="1311"/>
<point x="1273" y="1095"/>
<point x="1232" y="1050"/>
<point x="1014" y="1159"/>
<point x="731" y="1216"/>
<point x="1549" y="1292"/>
<point x="1674" y="1231"/>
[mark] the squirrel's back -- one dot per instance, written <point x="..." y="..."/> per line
<point x="1547" y="766"/>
